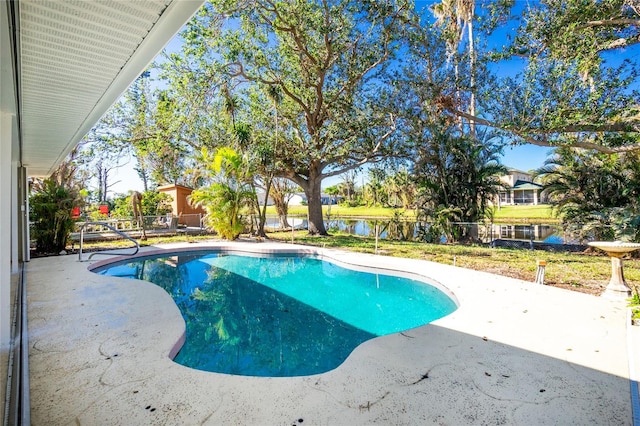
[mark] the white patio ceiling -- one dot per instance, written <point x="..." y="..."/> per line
<point x="75" y="59"/>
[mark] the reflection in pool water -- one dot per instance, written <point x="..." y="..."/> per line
<point x="281" y="316"/>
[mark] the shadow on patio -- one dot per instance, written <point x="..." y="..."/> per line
<point x="100" y="345"/>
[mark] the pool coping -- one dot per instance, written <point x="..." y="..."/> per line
<point x="557" y="337"/>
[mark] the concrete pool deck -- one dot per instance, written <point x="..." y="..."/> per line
<point x="513" y="353"/>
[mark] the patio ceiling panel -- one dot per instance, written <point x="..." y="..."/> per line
<point x="75" y="58"/>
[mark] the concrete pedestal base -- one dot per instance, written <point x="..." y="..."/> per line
<point x="617" y="288"/>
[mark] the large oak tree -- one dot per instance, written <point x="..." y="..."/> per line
<point x="326" y="58"/>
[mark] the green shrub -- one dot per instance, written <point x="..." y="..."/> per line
<point x="50" y="213"/>
<point x="153" y="203"/>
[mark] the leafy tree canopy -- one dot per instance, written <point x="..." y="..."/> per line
<point x="326" y="60"/>
<point x="580" y="83"/>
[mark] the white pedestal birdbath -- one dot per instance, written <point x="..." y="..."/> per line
<point x="617" y="288"/>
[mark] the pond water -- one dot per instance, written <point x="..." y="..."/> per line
<point x="410" y="230"/>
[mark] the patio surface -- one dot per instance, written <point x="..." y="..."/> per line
<point x="513" y="353"/>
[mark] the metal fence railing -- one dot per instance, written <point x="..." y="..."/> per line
<point x="120" y="233"/>
<point x="158" y="224"/>
<point x="496" y="234"/>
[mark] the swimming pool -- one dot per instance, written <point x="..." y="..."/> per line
<point x="281" y="315"/>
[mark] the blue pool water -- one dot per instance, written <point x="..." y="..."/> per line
<point x="281" y="315"/>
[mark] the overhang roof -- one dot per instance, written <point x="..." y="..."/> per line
<point x="526" y="185"/>
<point x="73" y="61"/>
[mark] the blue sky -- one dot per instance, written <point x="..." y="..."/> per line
<point x="525" y="157"/>
<point x="521" y="157"/>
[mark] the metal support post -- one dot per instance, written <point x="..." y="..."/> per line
<point x="540" y="273"/>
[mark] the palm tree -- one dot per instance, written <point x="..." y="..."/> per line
<point x="595" y="193"/>
<point x="457" y="177"/>
<point x="375" y="189"/>
<point x="581" y="182"/>
<point x="453" y="17"/>
<point x="231" y="104"/>
<point x="448" y="19"/>
<point x="274" y="93"/>
<point x="400" y="189"/>
<point x="466" y="10"/>
<point x="408" y="192"/>
<point x="230" y="192"/>
<point x="333" y="192"/>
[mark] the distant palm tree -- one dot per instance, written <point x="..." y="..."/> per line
<point x="457" y="179"/>
<point x="401" y="189"/>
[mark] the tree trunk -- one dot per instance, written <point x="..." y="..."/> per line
<point x="282" y="210"/>
<point x="458" y="101"/>
<point x="472" y="70"/>
<point x="105" y="185"/>
<point x="282" y="218"/>
<point x="100" y="177"/>
<point x="313" y="191"/>
<point x="279" y="195"/>
<point x="263" y="213"/>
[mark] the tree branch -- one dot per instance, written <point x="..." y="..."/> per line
<point x="372" y="66"/>
<point x="241" y="73"/>
<point x="290" y="29"/>
<point x="620" y="42"/>
<point x="610" y="23"/>
<point x="544" y="134"/>
<point x="373" y="155"/>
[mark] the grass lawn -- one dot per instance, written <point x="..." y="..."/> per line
<point x="515" y="214"/>
<point x="360" y="211"/>
<point x="526" y="213"/>
<point x="585" y="272"/>
<point x="542" y="211"/>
